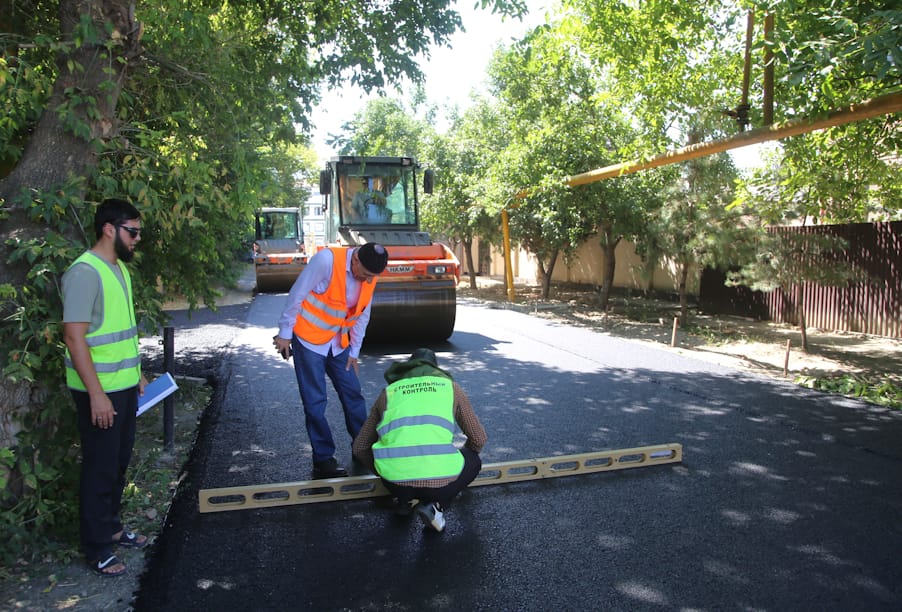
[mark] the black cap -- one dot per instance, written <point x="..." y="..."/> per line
<point x="424" y="354"/>
<point x="373" y="256"/>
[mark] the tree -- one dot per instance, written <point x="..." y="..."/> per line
<point x="544" y="94"/>
<point x="188" y="108"/>
<point x="695" y="225"/>
<point x="388" y="127"/>
<point x="786" y="258"/>
<point x="677" y="64"/>
<point x="666" y="63"/>
<point x="562" y="122"/>
<point x="832" y="176"/>
<point x="461" y="208"/>
<point x="828" y="55"/>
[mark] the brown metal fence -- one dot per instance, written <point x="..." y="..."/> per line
<point x="872" y="306"/>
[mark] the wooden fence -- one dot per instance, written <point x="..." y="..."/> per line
<point x="873" y="306"/>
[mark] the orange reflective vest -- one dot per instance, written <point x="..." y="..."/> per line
<point x="325" y="314"/>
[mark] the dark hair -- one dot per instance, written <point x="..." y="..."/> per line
<point x="113" y="211"/>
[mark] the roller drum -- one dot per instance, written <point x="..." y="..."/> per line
<point x="422" y="312"/>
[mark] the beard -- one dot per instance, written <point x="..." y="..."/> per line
<point x="122" y="251"/>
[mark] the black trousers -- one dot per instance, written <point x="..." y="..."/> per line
<point x="442" y="495"/>
<point x="105" y="455"/>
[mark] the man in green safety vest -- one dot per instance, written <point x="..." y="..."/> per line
<point x="103" y="373"/>
<point x="408" y="438"/>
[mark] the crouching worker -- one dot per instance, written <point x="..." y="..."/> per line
<point x="408" y="438"/>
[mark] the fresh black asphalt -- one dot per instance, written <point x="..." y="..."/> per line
<point x="786" y="499"/>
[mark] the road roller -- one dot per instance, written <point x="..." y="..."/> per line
<point x="279" y="253"/>
<point x="375" y="199"/>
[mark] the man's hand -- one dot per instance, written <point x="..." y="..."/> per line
<point x="102" y="413"/>
<point x="283" y="346"/>
<point x="352" y="363"/>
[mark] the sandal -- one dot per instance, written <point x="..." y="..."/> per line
<point x="102" y="568"/>
<point x="129" y="539"/>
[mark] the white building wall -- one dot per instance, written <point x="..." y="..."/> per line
<point x="314" y="223"/>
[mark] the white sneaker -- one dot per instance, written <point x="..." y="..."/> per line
<point x="431" y="515"/>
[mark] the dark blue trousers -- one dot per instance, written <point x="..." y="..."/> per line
<point x="442" y="495"/>
<point x="105" y="455"/>
<point x="311" y="370"/>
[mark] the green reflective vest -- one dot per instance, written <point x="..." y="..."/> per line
<point x="416" y="432"/>
<point x="114" y="344"/>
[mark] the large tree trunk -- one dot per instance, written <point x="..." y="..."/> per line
<point x="56" y="154"/>
<point x="608" y="248"/>
<point x="684" y="298"/>
<point x="547" y="272"/>
<point x="468" y="257"/>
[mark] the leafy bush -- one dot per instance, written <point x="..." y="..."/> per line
<point x="153" y="479"/>
<point x="880" y="390"/>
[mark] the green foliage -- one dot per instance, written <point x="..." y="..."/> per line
<point x="829" y="54"/>
<point x="24" y="90"/>
<point x="826" y="56"/>
<point x="785" y="258"/>
<point x="670" y="64"/>
<point x="39" y="499"/>
<point x="845" y="174"/>
<point x="460" y="208"/>
<point x="554" y="104"/>
<point x="202" y="132"/>
<point x="542" y="90"/>
<point x="389" y="127"/>
<point x="880" y="390"/>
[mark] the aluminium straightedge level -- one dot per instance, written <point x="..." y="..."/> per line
<point x="356" y="487"/>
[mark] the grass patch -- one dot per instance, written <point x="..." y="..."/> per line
<point x="718" y="335"/>
<point x="155" y="472"/>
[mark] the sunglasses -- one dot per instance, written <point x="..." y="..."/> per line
<point x="134" y="232"/>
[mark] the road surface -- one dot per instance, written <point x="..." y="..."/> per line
<point x="786" y="499"/>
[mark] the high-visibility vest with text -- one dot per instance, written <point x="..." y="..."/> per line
<point x="416" y="432"/>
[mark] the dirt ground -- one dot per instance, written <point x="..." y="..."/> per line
<point x="731" y="341"/>
<point x="739" y="342"/>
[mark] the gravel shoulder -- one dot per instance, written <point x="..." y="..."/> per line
<point x="763" y="347"/>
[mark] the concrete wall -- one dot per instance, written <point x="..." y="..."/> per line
<point x="586" y="267"/>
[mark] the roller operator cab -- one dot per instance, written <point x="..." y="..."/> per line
<point x="374" y="199"/>
<point x="279" y="255"/>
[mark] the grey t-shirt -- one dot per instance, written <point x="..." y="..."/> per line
<point x="82" y="295"/>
